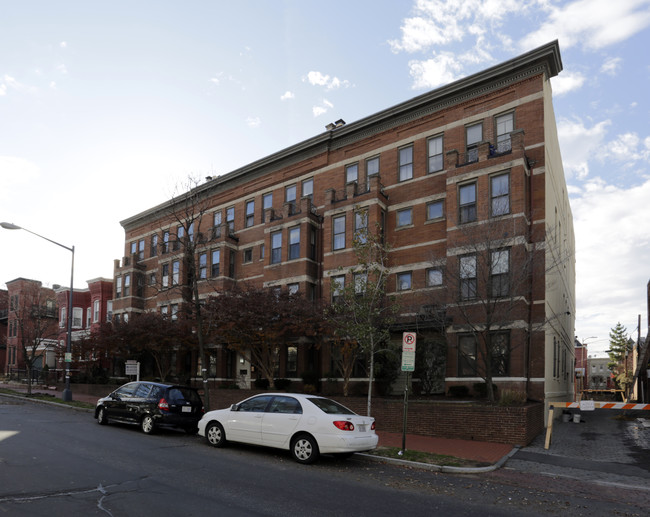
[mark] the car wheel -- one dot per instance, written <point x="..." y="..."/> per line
<point x="147" y="424"/>
<point x="102" y="419"/>
<point x="304" y="449"/>
<point x="215" y="435"/>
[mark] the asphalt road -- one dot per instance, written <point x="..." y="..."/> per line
<point x="57" y="461"/>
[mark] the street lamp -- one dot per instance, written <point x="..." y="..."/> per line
<point x="67" y="392"/>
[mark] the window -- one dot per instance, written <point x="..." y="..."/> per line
<point x="474" y="135"/>
<point x="290" y="194"/>
<point x="180" y="233"/>
<point x="190" y="232"/>
<point x="109" y="310"/>
<point x="216" y="231"/>
<point x="339" y="232"/>
<point x="467" y="266"/>
<point x="230" y="219"/>
<point x="203" y="266"/>
<point x="308" y="188"/>
<point x="166" y="242"/>
<point x="404" y="281"/>
<point x="361" y="226"/>
<point x="276" y="248"/>
<point x="406" y="163"/>
<point x="360" y="283"/>
<point x="134" y="247"/>
<point x="467" y="194"/>
<point x="153" y="249"/>
<point x="352" y="173"/>
<point x="434" y="277"/>
<point x="434" y="146"/>
<point x="372" y="166"/>
<point x="500" y="345"/>
<point x="500" y="273"/>
<point x="95" y="311"/>
<point x="500" y="194"/>
<point x="293" y="288"/>
<point x="118" y="287"/>
<point x="466" y="355"/>
<point x="63" y="319"/>
<point x="216" y="262"/>
<point x="338" y="284"/>
<point x="127" y="285"/>
<point x="294" y="243"/>
<point x="292" y="367"/>
<point x="404" y="217"/>
<point x="77" y="317"/>
<point x="165" y="275"/>
<point x="267" y="201"/>
<point x="248" y="255"/>
<point x="152" y="279"/>
<point x="262" y="251"/>
<point x="141" y="249"/>
<point x="312" y="243"/>
<point x="250" y="214"/>
<point x="505" y="126"/>
<point x="88" y="317"/>
<point x="435" y="210"/>
<point x="176" y="270"/>
<point x="231" y="266"/>
<point x="174" y="311"/>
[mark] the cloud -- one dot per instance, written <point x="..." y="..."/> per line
<point x="567" y="82"/>
<point x="63" y="44"/>
<point x="15" y="171"/>
<point x="580" y="144"/>
<point x="322" y="108"/>
<point x="611" y="66"/>
<point x="594" y="24"/>
<point x="330" y="83"/>
<point x="441" y="69"/>
<point x="611" y="247"/>
<point x="253" y="122"/>
<point x="287" y="95"/>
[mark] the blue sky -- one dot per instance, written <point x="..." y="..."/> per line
<point x="107" y="107"/>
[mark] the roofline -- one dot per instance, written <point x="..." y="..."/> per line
<point x="546" y="57"/>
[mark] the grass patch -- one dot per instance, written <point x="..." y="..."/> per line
<point x="425" y="457"/>
<point x="47" y="398"/>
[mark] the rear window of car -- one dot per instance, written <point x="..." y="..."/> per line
<point x="179" y="395"/>
<point x="331" y="407"/>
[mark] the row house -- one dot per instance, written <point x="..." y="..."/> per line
<point x="475" y="159"/>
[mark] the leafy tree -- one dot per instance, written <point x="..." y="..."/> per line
<point x="361" y="314"/>
<point x="257" y="321"/>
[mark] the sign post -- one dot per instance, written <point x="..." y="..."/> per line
<point x="408" y="366"/>
<point x="132" y="368"/>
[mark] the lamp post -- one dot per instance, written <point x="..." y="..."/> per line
<point x="67" y="392"/>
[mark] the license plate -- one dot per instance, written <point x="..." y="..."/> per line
<point x="362" y="428"/>
<point x="186" y="409"/>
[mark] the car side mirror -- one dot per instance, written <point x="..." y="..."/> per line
<point x="234" y="407"/>
<point x="114" y="396"/>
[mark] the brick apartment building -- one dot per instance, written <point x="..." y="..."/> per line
<point x="435" y="173"/>
<point x="91" y="306"/>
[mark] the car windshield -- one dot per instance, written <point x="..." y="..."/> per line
<point x="331" y="407"/>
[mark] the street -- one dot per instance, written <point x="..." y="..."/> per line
<point x="58" y="461"/>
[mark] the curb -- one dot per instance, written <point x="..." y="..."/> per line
<point x="441" y="468"/>
<point x="46" y="402"/>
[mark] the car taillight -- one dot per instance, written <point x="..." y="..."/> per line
<point x="162" y="404"/>
<point x="372" y="427"/>
<point x="344" y="425"/>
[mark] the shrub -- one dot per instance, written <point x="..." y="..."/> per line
<point x="282" y="384"/>
<point x="261" y="384"/>
<point x="512" y="398"/>
<point x="480" y="388"/>
<point x="458" y="391"/>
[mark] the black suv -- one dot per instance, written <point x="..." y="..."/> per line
<point x="150" y="405"/>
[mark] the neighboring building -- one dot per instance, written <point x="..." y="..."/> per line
<point x="31" y="326"/>
<point x="4" y="316"/>
<point x="600" y="376"/>
<point x="582" y="368"/>
<point x="477" y="152"/>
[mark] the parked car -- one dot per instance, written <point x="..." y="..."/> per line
<point x="306" y="425"/>
<point x="151" y="405"/>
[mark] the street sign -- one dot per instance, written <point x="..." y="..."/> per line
<point x="408" y="351"/>
<point x="68" y="357"/>
<point x="408" y="341"/>
<point x="408" y="361"/>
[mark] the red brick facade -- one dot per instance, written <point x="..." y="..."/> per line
<point x="495" y="131"/>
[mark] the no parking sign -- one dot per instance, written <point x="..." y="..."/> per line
<point x="408" y="351"/>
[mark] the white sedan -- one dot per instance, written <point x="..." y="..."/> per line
<point x="306" y="425"/>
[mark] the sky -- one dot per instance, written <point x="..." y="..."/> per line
<point x="106" y="108"/>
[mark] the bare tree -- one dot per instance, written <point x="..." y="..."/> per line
<point x="361" y="313"/>
<point x="36" y="325"/>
